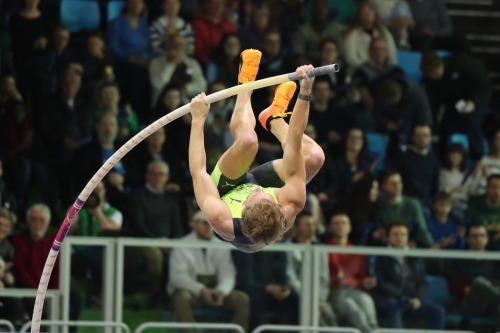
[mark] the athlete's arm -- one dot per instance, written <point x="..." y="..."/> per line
<point x="292" y="196"/>
<point x="215" y="210"/>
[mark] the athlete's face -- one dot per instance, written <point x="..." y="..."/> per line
<point x="257" y="195"/>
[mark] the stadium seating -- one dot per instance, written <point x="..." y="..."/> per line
<point x="79" y="15"/>
<point x="114" y="9"/>
<point x="437" y="289"/>
<point x="377" y="144"/>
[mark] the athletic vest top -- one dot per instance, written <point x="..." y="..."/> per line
<point x="235" y="199"/>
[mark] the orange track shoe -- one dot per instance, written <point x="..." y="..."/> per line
<point x="249" y="65"/>
<point x="282" y="96"/>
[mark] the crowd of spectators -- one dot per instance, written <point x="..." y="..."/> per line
<point x="69" y="101"/>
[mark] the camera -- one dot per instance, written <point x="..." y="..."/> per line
<point x="93" y="201"/>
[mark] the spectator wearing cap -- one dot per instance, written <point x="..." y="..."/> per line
<point x="349" y="280"/>
<point x="304" y="233"/>
<point x="366" y="25"/>
<point x="486" y="209"/>
<point x="210" y="28"/>
<point x="461" y="84"/>
<point x="401" y="291"/>
<point x="202" y="277"/>
<point x="177" y="69"/>
<point x="395" y="206"/>
<point x="419" y="166"/>
<point x="130" y="44"/>
<point x="475" y="281"/>
<point x="171" y="24"/>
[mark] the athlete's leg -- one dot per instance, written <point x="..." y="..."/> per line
<point x="312" y="152"/>
<point x="235" y="162"/>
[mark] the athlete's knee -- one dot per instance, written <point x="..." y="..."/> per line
<point x="248" y="141"/>
<point x="316" y="157"/>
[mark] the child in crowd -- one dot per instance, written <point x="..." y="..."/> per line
<point x="453" y="178"/>
<point x="447" y="234"/>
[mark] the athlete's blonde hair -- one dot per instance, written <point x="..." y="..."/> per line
<point x="264" y="221"/>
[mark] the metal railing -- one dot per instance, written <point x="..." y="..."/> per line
<point x="381" y="251"/>
<point x="108" y="273"/>
<point x="114" y="256"/>
<point x="205" y="326"/>
<point x="305" y="296"/>
<point x="53" y="295"/>
<point x="8" y="324"/>
<point x="67" y="323"/>
<point x="292" y="328"/>
<point x="400" y="330"/>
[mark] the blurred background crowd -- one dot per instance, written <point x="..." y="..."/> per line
<point x="410" y="126"/>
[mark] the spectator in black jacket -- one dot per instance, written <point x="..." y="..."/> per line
<point x="269" y="288"/>
<point x="476" y="281"/>
<point x="154" y="213"/>
<point x="400" y="105"/>
<point x="90" y="157"/>
<point x="461" y="84"/>
<point x="156" y="147"/>
<point x="419" y="166"/>
<point x="401" y="289"/>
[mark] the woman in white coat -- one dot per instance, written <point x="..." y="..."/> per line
<point x="366" y="26"/>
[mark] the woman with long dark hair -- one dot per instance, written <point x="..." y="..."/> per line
<point x="354" y="161"/>
<point x="360" y="204"/>
<point x="224" y="61"/>
<point x="366" y="26"/>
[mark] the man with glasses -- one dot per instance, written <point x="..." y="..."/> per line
<point x="476" y="281"/>
<point x="486" y="209"/>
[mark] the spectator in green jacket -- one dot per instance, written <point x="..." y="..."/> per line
<point x="486" y="209"/>
<point x="396" y="206"/>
